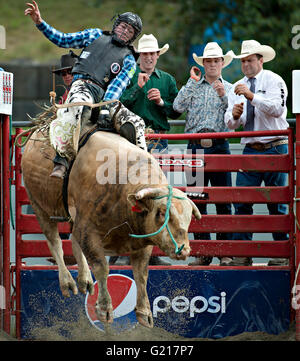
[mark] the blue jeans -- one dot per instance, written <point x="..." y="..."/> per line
<point x="255" y="179"/>
<point x="216" y="179"/>
<point x="159" y="145"/>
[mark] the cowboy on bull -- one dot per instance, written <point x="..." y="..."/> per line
<point x="102" y="72"/>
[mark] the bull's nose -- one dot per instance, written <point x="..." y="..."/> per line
<point x="179" y="249"/>
<point x="183" y="254"/>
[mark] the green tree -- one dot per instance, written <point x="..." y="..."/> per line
<point x="270" y="22"/>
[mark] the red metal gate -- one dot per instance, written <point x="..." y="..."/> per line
<point x="27" y="224"/>
<point x="253" y="223"/>
<point x="5" y="221"/>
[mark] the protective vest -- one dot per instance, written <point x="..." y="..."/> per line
<point x="102" y="60"/>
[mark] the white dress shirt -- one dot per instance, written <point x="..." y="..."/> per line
<point x="270" y="106"/>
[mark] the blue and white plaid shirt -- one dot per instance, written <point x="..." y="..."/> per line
<point x="82" y="39"/>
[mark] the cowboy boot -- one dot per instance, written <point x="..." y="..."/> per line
<point x="58" y="171"/>
<point x="60" y="166"/>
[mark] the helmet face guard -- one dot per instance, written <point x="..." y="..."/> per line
<point x="130" y="19"/>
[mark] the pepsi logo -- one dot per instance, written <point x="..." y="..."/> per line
<point x="122" y="290"/>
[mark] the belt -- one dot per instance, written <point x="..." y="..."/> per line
<point x="203" y="142"/>
<point x="91" y="82"/>
<point x="264" y="146"/>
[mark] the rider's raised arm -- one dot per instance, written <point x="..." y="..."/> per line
<point x="75" y="40"/>
<point x="34" y="12"/>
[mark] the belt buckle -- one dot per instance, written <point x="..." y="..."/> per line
<point x="206" y="143"/>
<point x="260" y="147"/>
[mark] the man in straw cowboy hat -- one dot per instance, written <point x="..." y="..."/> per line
<point x="102" y="72"/>
<point x="150" y="95"/>
<point x="258" y="102"/>
<point x="151" y="91"/>
<point x="204" y="99"/>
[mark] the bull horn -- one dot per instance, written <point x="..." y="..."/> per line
<point x="196" y="212"/>
<point x="148" y="193"/>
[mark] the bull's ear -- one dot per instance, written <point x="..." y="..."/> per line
<point x="196" y="212"/>
<point x="139" y="205"/>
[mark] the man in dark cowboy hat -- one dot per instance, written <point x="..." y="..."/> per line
<point x="102" y="72"/>
<point x="67" y="62"/>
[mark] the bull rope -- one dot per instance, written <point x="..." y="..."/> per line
<point x="169" y="201"/>
<point x="78" y="104"/>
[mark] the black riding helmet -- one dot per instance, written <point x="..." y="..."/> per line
<point x="132" y="19"/>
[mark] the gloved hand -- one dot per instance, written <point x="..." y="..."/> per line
<point x="104" y="119"/>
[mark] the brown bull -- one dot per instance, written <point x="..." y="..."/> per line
<point x="115" y="190"/>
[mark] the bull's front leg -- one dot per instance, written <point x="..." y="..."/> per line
<point x="104" y="308"/>
<point x="139" y="261"/>
<point x="90" y="244"/>
<point x="84" y="279"/>
<point x="66" y="281"/>
<point x="49" y="227"/>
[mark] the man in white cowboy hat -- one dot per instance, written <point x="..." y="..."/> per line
<point x="258" y="102"/>
<point x="152" y="91"/>
<point x="150" y="95"/>
<point x="204" y="99"/>
<point x="2" y="40"/>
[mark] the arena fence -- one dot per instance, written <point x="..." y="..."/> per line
<point x="27" y="224"/>
<point x="5" y="177"/>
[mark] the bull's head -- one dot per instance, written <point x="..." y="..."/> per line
<point x="168" y="216"/>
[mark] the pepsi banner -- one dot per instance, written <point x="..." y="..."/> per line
<point x="190" y="303"/>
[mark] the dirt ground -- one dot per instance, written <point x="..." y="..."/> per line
<point x="87" y="333"/>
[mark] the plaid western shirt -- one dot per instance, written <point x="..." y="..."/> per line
<point x="82" y="39"/>
<point x="203" y="107"/>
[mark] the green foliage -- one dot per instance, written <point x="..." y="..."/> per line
<point x="181" y="23"/>
<point x="270" y="22"/>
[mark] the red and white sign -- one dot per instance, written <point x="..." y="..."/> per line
<point x="6" y="92"/>
<point x="192" y="163"/>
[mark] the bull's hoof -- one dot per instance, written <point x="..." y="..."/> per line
<point x="85" y="285"/>
<point x="69" y="287"/>
<point x="67" y="284"/>
<point x="145" y="319"/>
<point x="104" y="315"/>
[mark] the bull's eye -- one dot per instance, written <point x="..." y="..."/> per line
<point x="180" y="234"/>
<point x="160" y="214"/>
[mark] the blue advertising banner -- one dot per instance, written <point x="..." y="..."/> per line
<point x="191" y="303"/>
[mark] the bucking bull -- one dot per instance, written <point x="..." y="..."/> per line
<point x="116" y="193"/>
